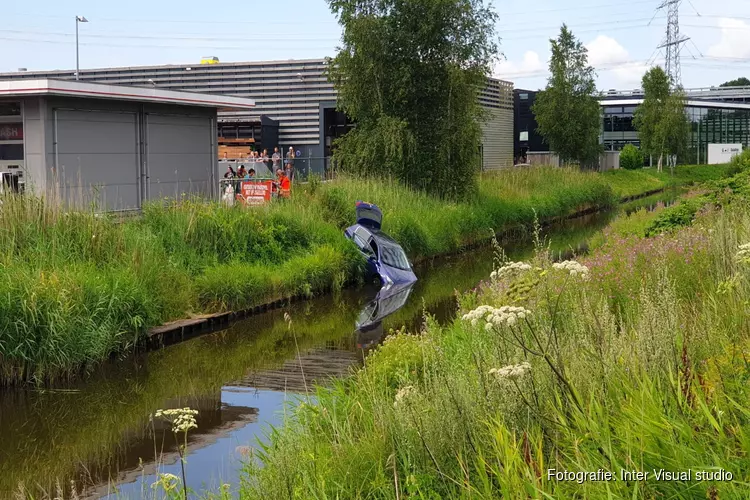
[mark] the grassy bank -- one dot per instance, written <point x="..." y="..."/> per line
<point x="76" y="287"/>
<point x="634" y="359"/>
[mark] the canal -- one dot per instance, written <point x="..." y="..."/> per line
<point x="95" y="437"/>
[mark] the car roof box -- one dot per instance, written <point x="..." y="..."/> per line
<point x="369" y="215"/>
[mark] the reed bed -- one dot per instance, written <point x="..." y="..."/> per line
<point x="77" y="286"/>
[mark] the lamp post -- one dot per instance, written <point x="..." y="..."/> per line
<point x="79" y="19"/>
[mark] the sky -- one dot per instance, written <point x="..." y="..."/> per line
<point x="621" y="36"/>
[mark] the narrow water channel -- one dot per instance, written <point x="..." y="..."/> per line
<point x="96" y="437"/>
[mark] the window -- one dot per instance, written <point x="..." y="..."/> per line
<point x="10" y="109"/>
<point x="395" y="257"/>
<point x="11" y="152"/>
<point x="523" y="97"/>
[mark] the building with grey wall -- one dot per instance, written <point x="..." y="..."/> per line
<point x="117" y="146"/>
<point x="296" y="93"/>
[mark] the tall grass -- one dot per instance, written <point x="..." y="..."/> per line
<point x="638" y="364"/>
<point x="76" y="286"/>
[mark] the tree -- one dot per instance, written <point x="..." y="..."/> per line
<point x="567" y="111"/>
<point x="739" y="82"/>
<point x="631" y="157"/>
<point x="661" y="120"/>
<point x="408" y="74"/>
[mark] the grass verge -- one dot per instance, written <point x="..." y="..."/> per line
<point x="76" y="287"/>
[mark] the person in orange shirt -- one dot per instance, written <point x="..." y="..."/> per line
<point x="285" y="185"/>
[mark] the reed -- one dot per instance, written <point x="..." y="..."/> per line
<point x="77" y="286"/>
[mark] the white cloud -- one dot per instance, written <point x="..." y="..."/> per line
<point x="530" y="65"/>
<point x="606" y="50"/>
<point x="613" y="63"/>
<point x="733" y="42"/>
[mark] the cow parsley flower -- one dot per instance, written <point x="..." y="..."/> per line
<point x="167" y="481"/>
<point x="511" y="372"/>
<point x="403" y="395"/>
<point x="509" y="270"/>
<point x="182" y="419"/>
<point x="573" y="268"/>
<point x="743" y="254"/>
<point x="506" y="315"/>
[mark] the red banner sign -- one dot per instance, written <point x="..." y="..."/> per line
<point x="255" y="192"/>
<point x="11" y="132"/>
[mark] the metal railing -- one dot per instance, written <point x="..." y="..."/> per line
<point x="299" y="169"/>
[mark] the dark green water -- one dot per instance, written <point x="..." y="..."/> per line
<point x="95" y="436"/>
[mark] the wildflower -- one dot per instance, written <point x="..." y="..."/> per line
<point x="182" y="419"/>
<point x="743" y="254"/>
<point x="167" y="481"/>
<point x="403" y="395"/>
<point x="509" y="269"/>
<point x="506" y="315"/>
<point x="573" y="268"/>
<point x="511" y="372"/>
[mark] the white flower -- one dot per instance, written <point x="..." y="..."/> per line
<point x="573" y="268"/>
<point x="511" y="372"/>
<point x="509" y="269"/>
<point x="403" y="395"/>
<point x="182" y="419"/>
<point x="506" y="315"/>
<point x="743" y="254"/>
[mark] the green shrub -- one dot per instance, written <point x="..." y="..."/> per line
<point x="631" y="157"/>
<point x="675" y="217"/>
<point x="742" y="160"/>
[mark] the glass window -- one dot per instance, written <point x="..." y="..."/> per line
<point x="393" y="256"/>
<point x="11" y="152"/>
<point x="523" y="97"/>
<point x="10" y="109"/>
<point x="613" y="110"/>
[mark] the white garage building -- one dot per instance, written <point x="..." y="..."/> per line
<point x="116" y="145"/>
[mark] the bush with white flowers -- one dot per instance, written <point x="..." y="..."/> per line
<point x="573" y="268"/>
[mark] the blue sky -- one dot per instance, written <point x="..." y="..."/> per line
<point x="40" y="35"/>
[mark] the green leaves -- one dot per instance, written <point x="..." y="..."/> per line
<point x="567" y="111"/>
<point x="408" y="73"/>
<point x="660" y="120"/>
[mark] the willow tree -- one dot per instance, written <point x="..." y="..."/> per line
<point x="408" y="74"/>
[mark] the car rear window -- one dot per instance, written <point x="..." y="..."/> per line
<point x="394" y="257"/>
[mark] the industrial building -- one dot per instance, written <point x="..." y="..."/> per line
<point x="111" y="145"/>
<point x="293" y="95"/>
<point x="717" y="116"/>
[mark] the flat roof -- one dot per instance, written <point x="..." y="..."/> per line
<point x="72" y="88"/>
<point x="689" y="102"/>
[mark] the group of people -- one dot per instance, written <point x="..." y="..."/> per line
<point x="273" y="163"/>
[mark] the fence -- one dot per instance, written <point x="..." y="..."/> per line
<point x="302" y="168"/>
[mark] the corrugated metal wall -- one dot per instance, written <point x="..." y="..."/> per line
<point x="96" y="157"/>
<point x="497" y="129"/>
<point x="288" y="91"/>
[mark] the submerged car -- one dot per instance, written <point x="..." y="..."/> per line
<point x="386" y="260"/>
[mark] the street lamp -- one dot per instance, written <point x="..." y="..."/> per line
<point x="79" y="19"/>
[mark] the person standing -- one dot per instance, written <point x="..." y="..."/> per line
<point x="289" y="164"/>
<point x="266" y="160"/>
<point x="276" y="158"/>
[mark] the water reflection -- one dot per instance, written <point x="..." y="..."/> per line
<point x="96" y="434"/>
